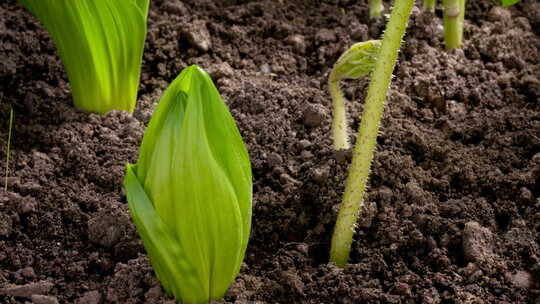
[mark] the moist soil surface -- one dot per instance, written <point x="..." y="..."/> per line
<point x="453" y="207"/>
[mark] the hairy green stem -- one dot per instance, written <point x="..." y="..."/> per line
<point x="367" y="133"/>
<point x="8" y="147"/>
<point x="454" y="14"/>
<point x="375" y="8"/>
<point x="429" y="6"/>
<point x="340" y="134"/>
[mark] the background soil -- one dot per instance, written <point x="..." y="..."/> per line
<point x="454" y="201"/>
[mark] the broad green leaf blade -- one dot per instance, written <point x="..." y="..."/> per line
<point x="166" y="254"/>
<point x="100" y="43"/>
<point x="357" y="61"/>
<point x="227" y="147"/>
<point x="507" y="3"/>
<point x="143" y="6"/>
<point x="214" y="149"/>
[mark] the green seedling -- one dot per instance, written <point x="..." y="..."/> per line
<point x="101" y="44"/>
<point x="453" y="16"/>
<point x="429" y="6"/>
<point x="367" y="133"/>
<point x="8" y="148"/>
<point x="356" y="62"/>
<point x="375" y="8"/>
<point x="507" y="3"/>
<point x="190" y="192"/>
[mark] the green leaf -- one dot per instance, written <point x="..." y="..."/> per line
<point x="507" y="3"/>
<point x="164" y="250"/>
<point x="357" y="61"/>
<point x="195" y="170"/>
<point x="100" y="43"/>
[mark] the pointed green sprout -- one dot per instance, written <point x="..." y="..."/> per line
<point x="507" y="3"/>
<point x="190" y="192"/>
<point x="356" y="62"/>
<point x="367" y="132"/>
<point x="100" y="43"/>
<point x="454" y="14"/>
<point x="429" y="6"/>
<point x="375" y="8"/>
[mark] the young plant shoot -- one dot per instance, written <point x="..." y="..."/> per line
<point x="507" y="3"/>
<point x="367" y="134"/>
<point x="356" y="62"/>
<point x="454" y="14"/>
<point x="375" y="8"/>
<point x="100" y="43"/>
<point x="429" y="6"/>
<point x="190" y="192"/>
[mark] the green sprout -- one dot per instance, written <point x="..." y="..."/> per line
<point x="101" y="44"/>
<point x="507" y="3"/>
<point x="367" y="133"/>
<point x="375" y="8"/>
<point x="8" y="148"/>
<point x="429" y="6"/>
<point x="454" y="14"/>
<point x="354" y="63"/>
<point x="190" y="192"/>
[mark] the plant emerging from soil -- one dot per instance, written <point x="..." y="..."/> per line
<point x="101" y="44"/>
<point x="454" y="14"/>
<point x="367" y="133"/>
<point x="507" y="3"/>
<point x="8" y="148"/>
<point x="375" y="8"/>
<point x="354" y="63"/>
<point x="429" y="5"/>
<point x="190" y="192"/>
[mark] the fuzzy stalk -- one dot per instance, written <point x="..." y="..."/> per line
<point x="367" y="133"/>
<point x="340" y="133"/>
<point x="375" y="8"/>
<point x="429" y="6"/>
<point x="454" y="14"/>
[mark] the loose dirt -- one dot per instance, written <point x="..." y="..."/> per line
<point x="454" y="199"/>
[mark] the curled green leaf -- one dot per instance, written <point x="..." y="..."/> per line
<point x="190" y="192"/>
<point x="100" y="43"/>
<point x="356" y="62"/>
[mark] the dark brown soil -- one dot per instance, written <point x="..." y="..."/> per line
<point x="454" y="198"/>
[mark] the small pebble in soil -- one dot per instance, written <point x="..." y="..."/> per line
<point x="298" y="42"/>
<point x="325" y="35"/>
<point x="367" y="214"/>
<point x="520" y="279"/>
<point x="314" y="115"/>
<point x="41" y="299"/>
<point x="197" y="35"/>
<point x="106" y="229"/>
<point x="477" y="243"/>
<point x="26" y="291"/>
<point x="286" y="179"/>
<point x="304" y="144"/>
<point x="174" y="7"/>
<point x="320" y="175"/>
<point x="220" y="70"/>
<point x="274" y="159"/>
<point x="27" y="273"/>
<point x="90" y="297"/>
